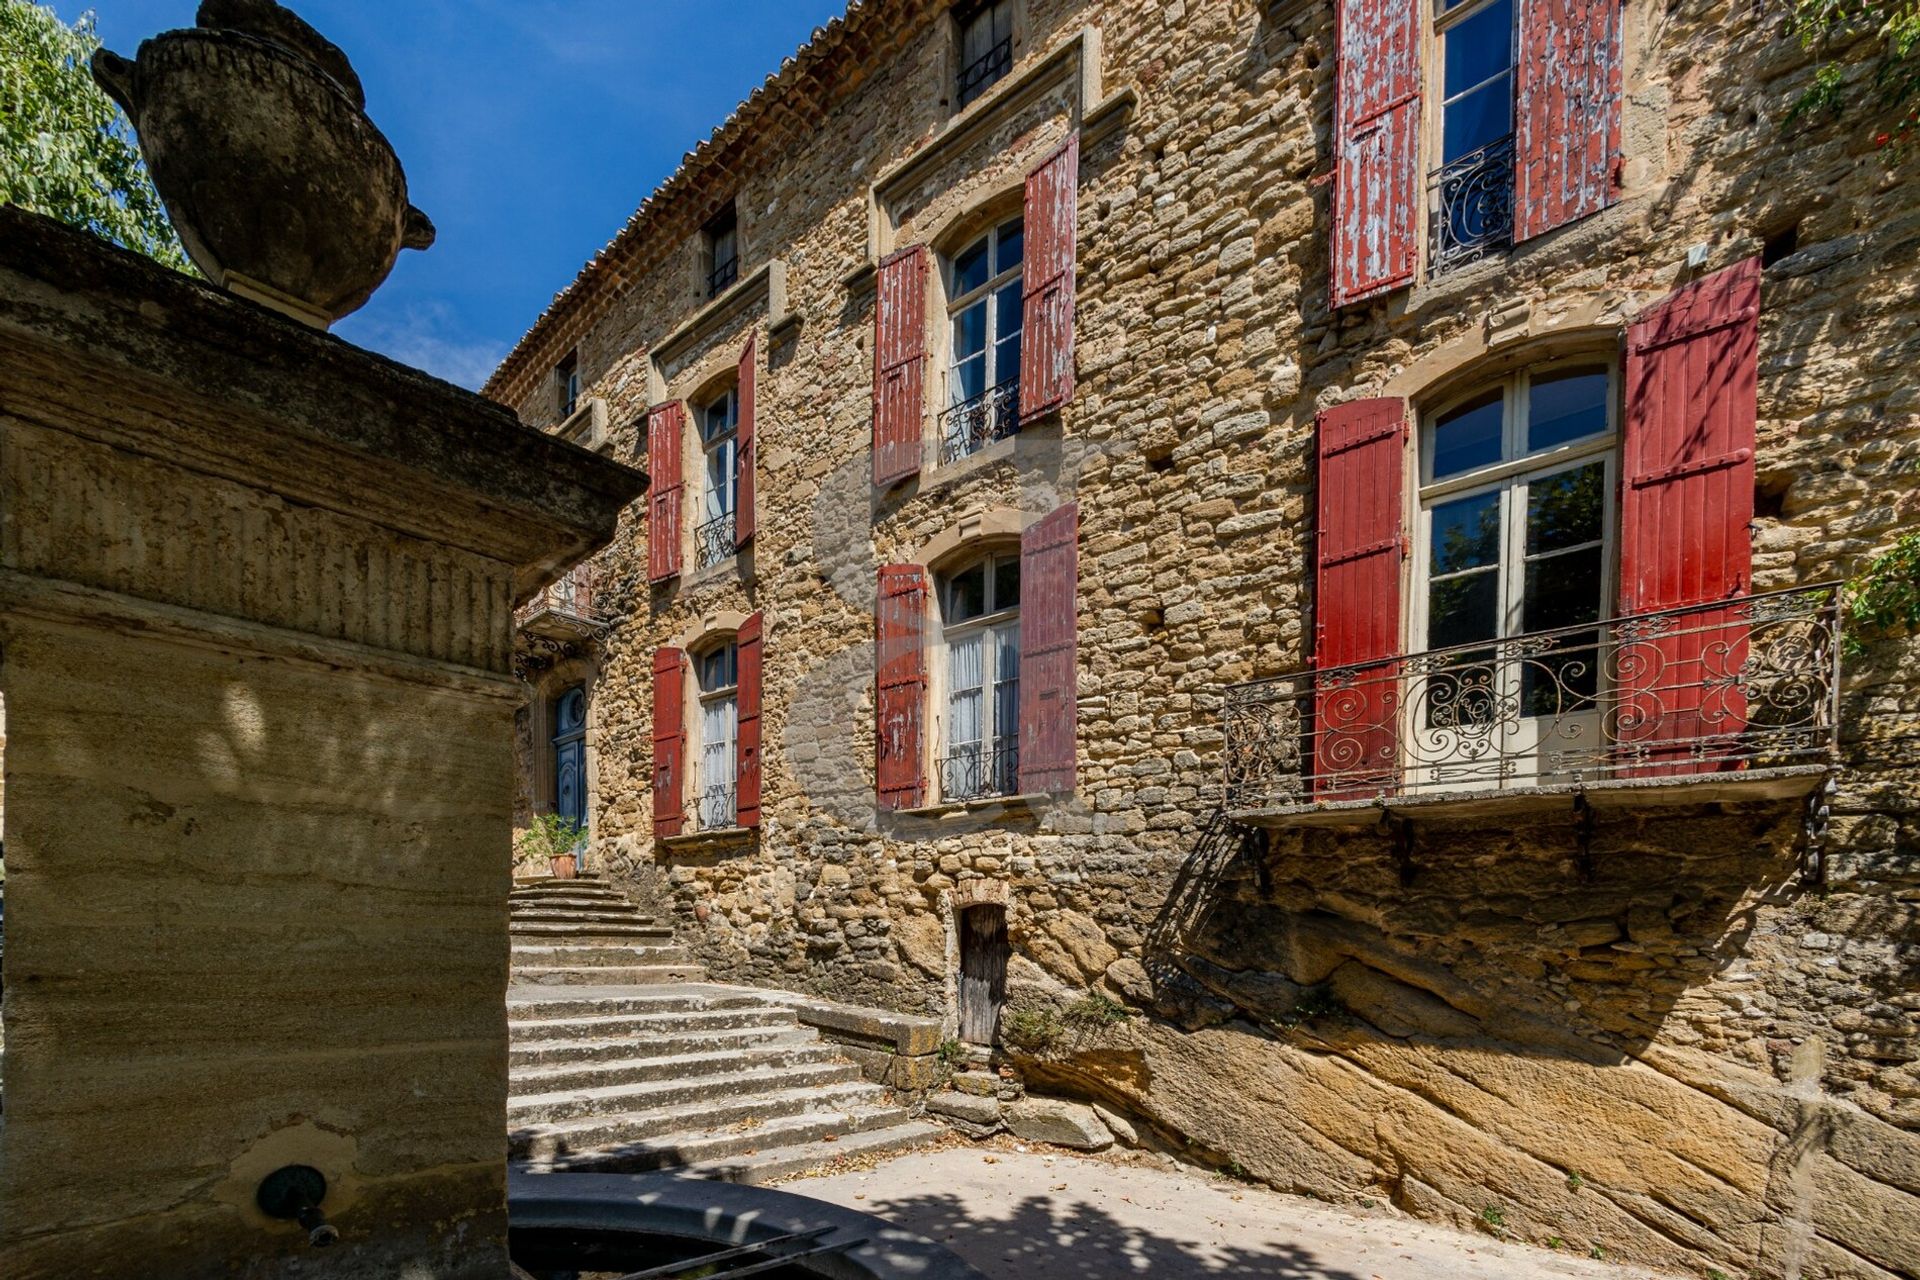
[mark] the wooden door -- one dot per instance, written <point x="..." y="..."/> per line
<point x="983" y="972"/>
<point x="570" y="755"/>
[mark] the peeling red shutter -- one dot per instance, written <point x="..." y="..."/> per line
<point x="665" y="425"/>
<point x="1359" y="549"/>
<point x="1567" y="112"/>
<point x="747" y="743"/>
<point x="899" y="364"/>
<point x="1376" y="190"/>
<point x="1685" y="509"/>
<point x="1046" y="326"/>
<point x="669" y="739"/>
<point x="743" y="458"/>
<point x="900" y="695"/>
<point x="1049" y="651"/>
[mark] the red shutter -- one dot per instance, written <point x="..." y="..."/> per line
<point x="669" y="740"/>
<point x="747" y="743"/>
<point x="1376" y="190"/>
<point x="1049" y="651"/>
<point x="743" y="458"/>
<point x="1567" y="112"/>
<point x="899" y="364"/>
<point x="900" y="696"/>
<point x="665" y="424"/>
<point x="1359" y="549"/>
<point x="1046" y="326"/>
<point x="1685" y="506"/>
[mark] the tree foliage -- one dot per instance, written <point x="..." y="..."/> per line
<point x="1892" y="93"/>
<point x="65" y="148"/>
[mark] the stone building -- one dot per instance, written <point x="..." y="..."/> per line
<point x="1274" y="559"/>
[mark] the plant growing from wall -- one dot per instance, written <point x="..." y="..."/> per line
<point x="1884" y="599"/>
<point x="1034" y="1030"/>
<point x="1094" y="1011"/>
<point x="1892" y="93"/>
<point x="65" y="148"/>
<point x="551" y="836"/>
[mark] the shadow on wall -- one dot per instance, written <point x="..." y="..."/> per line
<point x="1039" y="1237"/>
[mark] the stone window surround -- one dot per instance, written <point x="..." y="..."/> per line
<point x="721" y="626"/>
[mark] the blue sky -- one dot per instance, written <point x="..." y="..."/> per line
<point x="530" y="130"/>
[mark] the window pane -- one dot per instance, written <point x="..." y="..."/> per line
<point x="1006" y="583"/>
<point x="1464" y="609"/>
<point x="966" y="656"/>
<point x="1469" y="436"/>
<point x="717" y="669"/>
<point x="1466" y="533"/>
<point x="718" y="418"/>
<point x="1012" y="239"/>
<point x="1008" y="311"/>
<point x="969" y="378"/>
<point x="1479" y="47"/>
<point x="720" y="480"/>
<point x="1566" y="406"/>
<point x="1564" y="509"/>
<point x="1562" y="590"/>
<point x="1006" y="684"/>
<point x="970" y="331"/>
<point x="967" y="593"/>
<point x="970" y="268"/>
<point x="1483" y="116"/>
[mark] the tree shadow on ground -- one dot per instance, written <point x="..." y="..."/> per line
<point x="1039" y="1237"/>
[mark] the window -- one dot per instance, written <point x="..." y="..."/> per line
<point x="984" y="313"/>
<point x="566" y="385"/>
<point x="718" y="674"/>
<point x="722" y="237"/>
<point x="1515" y="539"/>
<point x="719" y="444"/>
<point x="980" y="615"/>
<point x="986" y="47"/>
<point x="1472" y="209"/>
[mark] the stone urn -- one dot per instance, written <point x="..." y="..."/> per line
<point x="254" y="129"/>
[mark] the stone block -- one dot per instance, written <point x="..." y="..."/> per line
<point x="1063" y="1124"/>
<point x="966" y="1106"/>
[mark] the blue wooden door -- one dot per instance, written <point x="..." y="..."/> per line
<point x="570" y="755"/>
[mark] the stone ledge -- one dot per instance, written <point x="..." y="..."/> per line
<point x="724" y="838"/>
<point x="908" y="1035"/>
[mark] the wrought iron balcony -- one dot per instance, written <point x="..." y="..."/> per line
<point x="717" y="809"/>
<point x="975" y="772"/>
<point x="980" y="74"/>
<point x="714" y="541"/>
<point x="1735" y="697"/>
<point x="974" y="424"/>
<point x="1472" y="207"/>
<point x="724" y="273"/>
<point x="566" y="608"/>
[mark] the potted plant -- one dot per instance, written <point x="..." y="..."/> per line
<point x="556" y="839"/>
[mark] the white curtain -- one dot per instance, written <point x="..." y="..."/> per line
<point x="719" y="728"/>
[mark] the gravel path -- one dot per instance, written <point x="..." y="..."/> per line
<point x="1050" y="1216"/>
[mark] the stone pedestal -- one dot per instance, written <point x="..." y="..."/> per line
<point x="256" y="610"/>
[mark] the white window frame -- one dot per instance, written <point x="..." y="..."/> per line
<point x="1511" y="477"/>
<point x="999" y="624"/>
<point x="987" y="296"/>
<point x="717" y="756"/>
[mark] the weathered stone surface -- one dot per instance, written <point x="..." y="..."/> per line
<point x="1064" y="1124"/>
<point x="965" y="1106"/>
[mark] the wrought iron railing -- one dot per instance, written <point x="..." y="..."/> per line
<point x="972" y="425"/>
<point x="1743" y="684"/>
<point x="717" y="808"/>
<point x="1472" y="201"/>
<point x="714" y="541"/>
<point x="572" y="593"/>
<point x="980" y="74"/>
<point x="975" y="772"/>
<point x="724" y="273"/>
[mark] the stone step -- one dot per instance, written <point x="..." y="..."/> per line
<point x="568" y="930"/>
<point x="540" y="882"/>
<point x="793" y="1058"/>
<point x="532" y="1003"/>
<point x="558" y="1050"/>
<point x="589" y="955"/>
<point x="762" y="1094"/>
<point x="645" y="1027"/>
<point x="611" y="975"/>
<point x="576" y="916"/>
<point x="746" y="1156"/>
<point x="784" y="1116"/>
<point x="574" y="897"/>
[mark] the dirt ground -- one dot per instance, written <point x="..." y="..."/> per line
<point x="1043" y="1214"/>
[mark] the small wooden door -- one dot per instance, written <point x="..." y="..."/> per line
<point x="570" y="755"/>
<point x="983" y="972"/>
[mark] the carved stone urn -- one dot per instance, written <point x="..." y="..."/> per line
<point x="254" y="128"/>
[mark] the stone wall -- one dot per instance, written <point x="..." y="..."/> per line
<point x="1689" y="1059"/>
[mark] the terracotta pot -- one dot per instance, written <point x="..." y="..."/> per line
<point x="280" y="186"/>
<point x="565" y="866"/>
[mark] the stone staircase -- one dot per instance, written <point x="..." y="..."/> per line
<point x="622" y="1060"/>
